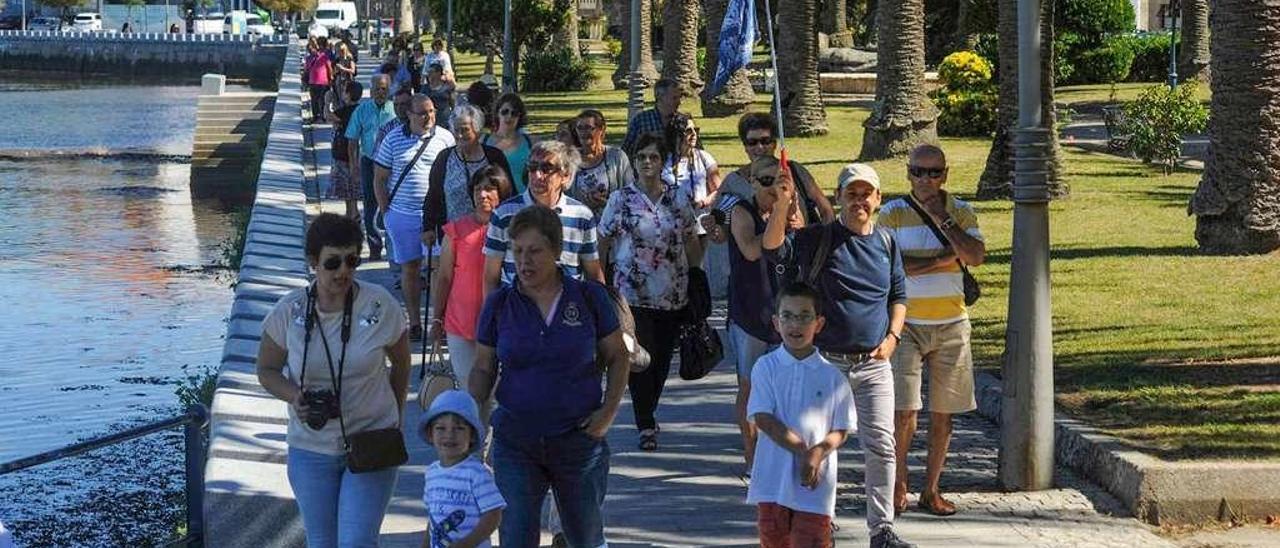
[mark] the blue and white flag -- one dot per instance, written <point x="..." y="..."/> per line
<point x="737" y="36"/>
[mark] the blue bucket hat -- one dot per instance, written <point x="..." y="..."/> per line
<point x="460" y="403"/>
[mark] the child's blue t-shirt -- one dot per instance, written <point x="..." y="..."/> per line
<point x="456" y="496"/>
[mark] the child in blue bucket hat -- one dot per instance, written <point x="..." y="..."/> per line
<point x="463" y="504"/>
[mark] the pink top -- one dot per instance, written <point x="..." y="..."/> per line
<point x="318" y="68"/>
<point x="466" y="295"/>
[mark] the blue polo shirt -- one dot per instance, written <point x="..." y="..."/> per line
<point x="862" y="278"/>
<point x="550" y="381"/>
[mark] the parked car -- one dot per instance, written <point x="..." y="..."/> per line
<point x="255" y="26"/>
<point x="334" y="16"/>
<point x="45" y="23"/>
<point x="210" y="23"/>
<point x="87" y="22"/>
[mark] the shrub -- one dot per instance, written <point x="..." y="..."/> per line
<point x="702" y="60"/>
<point x="989" y="48"/>
<point x="613" y="46"/>
<point x="1065" y="44"/>
<point x="1094" y="20"/>
<point x="197" y="387"/>
<point x="967" y="99"/>
<point x="1108" y="64"/>
<point x="1158" y="119"/>
<point x="556" y="70"/>
<point x="1150" y="57"/>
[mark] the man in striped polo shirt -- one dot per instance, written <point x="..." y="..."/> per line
<point x="937" y="329"/>
<point x="551" y="167"/>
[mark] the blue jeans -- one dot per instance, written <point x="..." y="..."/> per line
<point x="370" y="203"/>
<point x="576" y="468"/>
<point x="747" y="349"/>
<point x="338" y="508"/>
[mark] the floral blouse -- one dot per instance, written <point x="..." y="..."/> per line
<point x="648" y="251"/>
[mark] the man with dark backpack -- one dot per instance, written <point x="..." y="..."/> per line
<point x="857" y="269"/>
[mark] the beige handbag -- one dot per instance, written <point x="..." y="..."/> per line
<point x="438" y="378"/>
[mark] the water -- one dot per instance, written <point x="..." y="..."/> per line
<point x="106" y="300"/>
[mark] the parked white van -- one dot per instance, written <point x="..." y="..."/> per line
<point x="210" y="23"/>
<point x="333" y="16"/>
<point x="87" y="22"/>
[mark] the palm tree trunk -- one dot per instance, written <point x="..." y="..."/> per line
<point x="647" y="69"/>
<point x="803" y="112"/>
<point x="836" y="23"/>
<point x="1193" y="45"/>
<point x="736" y="96"/>
<point x="1237" y="205"/>
<point x="680" y="44"/>
<point x="997" y="178"/>
<point x="966" y="38"/>
<point x="902" y="116"/>
<point x="567" y="36"/>
<point x="404" y="23"/>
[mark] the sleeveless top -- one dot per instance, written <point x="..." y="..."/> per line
<point x="753" y="285"/>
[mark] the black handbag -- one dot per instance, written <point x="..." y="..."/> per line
<point x="700" y="350"/>
<point x="367" y="451"/>
<point x="699" y="291"/>
<point x="972" y="291"/>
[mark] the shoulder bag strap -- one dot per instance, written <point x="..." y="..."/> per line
<point x="422" y="148"/>
<point x="937" y="232"/>
<point x="819" y="257"/>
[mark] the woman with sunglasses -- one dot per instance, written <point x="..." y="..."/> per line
<point x="335" y="337"/>
<point x="604" y="168"/>
<point x="647" y="232"/>
<point x="510" y="137"/>
<point x="688" y="167"/>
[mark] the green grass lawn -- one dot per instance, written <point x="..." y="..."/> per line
<point x="1103" y="93"/>
<point x="1166" y="347"/>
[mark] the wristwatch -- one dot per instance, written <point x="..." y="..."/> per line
<point x="947" y="223"/>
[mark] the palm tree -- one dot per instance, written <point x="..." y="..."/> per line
<point x="567" y="36"/>
<point x="736" y="96"/>
<point x="1237" y="207"/>
<point x="835" y="22"/>
<point x="405" y="22"/>
<point x="803" y="112"/>
<point x="902" y="116"/>
<point x="680" y="43"/>
<point x="647" y="69"/>
<point x="1193" y="46"/>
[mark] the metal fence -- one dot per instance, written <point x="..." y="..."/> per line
<point x="282" y="38"/>
<point x="192" y="422"/>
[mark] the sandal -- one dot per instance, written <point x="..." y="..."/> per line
<point x="936" y="505"/>
<point x="648" y="440"/>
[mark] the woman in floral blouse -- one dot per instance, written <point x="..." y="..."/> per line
<point x="647" y="234"/>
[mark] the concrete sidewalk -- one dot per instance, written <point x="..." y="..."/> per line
<point x="689" y="493"/>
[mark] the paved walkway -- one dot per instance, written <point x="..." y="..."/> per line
<point x="689" y="493"/>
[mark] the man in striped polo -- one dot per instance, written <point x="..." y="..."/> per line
<point x="551" y="167"/>
<point x="937" y="328"/>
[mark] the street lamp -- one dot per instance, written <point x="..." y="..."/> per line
<point x="1174" y="8"/>
<point x="508" y="62"/>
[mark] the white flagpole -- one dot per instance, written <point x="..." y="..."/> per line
<point x="777" y="88"/>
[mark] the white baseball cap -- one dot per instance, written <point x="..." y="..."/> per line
<point x="858" y="172"/>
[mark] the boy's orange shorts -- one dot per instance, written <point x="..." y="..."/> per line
<point x="782" y="527"/>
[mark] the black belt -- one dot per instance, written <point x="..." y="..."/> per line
<point x="850" y="358"/>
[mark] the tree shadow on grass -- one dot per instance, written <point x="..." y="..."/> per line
<point x="1066" y="254"/>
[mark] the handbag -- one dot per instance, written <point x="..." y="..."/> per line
<point x="367" y="451"/>
<point x="378" y="220"/>
<point x="699" y="294"/>
<point x="438" y="377"/>
<point x="637" y="356"/>
<point x="700" y="350"/>
<point x="971" y="289"/>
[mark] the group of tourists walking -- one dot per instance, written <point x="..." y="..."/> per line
<point x="832" y="319"/>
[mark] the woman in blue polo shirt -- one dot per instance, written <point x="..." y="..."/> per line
<point x="552" y="416"/>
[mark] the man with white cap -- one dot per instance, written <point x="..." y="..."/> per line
<point x="857" y="269"/>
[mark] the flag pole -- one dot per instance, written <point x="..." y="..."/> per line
<point x="777" y="88"/>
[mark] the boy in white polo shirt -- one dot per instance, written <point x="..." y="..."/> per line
<point x="804" y="406"/>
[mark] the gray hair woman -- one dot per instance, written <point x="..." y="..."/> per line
<point x="324" y="351"/>
<point x="449" y="194"/>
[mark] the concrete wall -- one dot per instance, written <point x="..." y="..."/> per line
<point x="169" y="58"/>
<point x="248" y="501"/>
<point x="231" y="134"/>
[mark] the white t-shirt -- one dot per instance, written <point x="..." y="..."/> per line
<point x="690" y="176"/>
<point x="456" y="496"/>
<point x="812" y="398"/>
<point x="367" y="403"/>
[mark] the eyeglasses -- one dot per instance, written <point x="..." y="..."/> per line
<point x="930" y="172"/>
<point x="508" y="112"/>
<point x="796" y="319"/>
<point x="585" y="129"/>
<point x="766" y="180"/>
<point x="547" y="168"/>
<point x="765" y="141"/>
<point x="332" y="263"/>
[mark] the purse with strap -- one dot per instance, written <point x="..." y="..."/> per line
<point x="438" y="377"/>
<point x="367" y="451"/>
<point x="971" y="289"/>
<point x="637" y="356"/>
<point x="378" y="220"/>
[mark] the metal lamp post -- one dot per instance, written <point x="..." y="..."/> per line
<point x="508" y="62"/>
<point x="1174" y="8"/>
<point x="1026" y="426"/>
<point x="635" y="92"/>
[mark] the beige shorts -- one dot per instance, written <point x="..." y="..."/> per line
<point x="946" y="350"/>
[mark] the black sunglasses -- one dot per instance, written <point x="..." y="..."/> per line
<point x="548" y="168"/>
<point x="766" y="180"/>
<point x="759" y="141"/>
<point x="332" y="263"/>
<point x="930" y="172"/>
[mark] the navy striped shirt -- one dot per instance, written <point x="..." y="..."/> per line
<point x="579" y="234"/>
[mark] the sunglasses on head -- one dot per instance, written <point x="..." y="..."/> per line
<point x="332" y="263"/>
<point x="930" y="172"/>
<point x="758" y="141"/>
<point x="766" y="180"/>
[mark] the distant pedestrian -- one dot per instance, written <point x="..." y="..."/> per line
<point x="344" y="66"/>
<point x="805" y="409"/>
<point x="937" y="331"/>
<point x="666" y="102"/>
<point x="127" y="27"/>
<point x="605" y="168"/>
<point x="439" y="56"/>
<point x="441" y="90"/>
<point x="324" y="350"/>
<point x="319" y="73"/>
<point x="174" y="29"/>
<point x="362" y="132"/>
<point x="567" y="133"/>
<point x="510" y="138"/>
<point x="463" y="504"/>
<point x="341" y="184"/>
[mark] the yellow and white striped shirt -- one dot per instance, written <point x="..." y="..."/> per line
<point x="937" y="297"/>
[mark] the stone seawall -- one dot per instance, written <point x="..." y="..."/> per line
<point x="247" y="497"/>
<point x="168" y="58"/>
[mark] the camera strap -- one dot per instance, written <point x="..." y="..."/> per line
<point x="335" y="377"/>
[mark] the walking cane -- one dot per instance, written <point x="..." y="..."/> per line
<point x="426" y="313"/>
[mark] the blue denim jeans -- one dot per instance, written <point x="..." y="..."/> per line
<point x="371" y="233"/>
<point x="338" y="508"/>
<point x="573" y="465"/>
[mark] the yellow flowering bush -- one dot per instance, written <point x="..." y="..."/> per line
<point x="967" y="99"/>
<point x="965" y="71"/>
